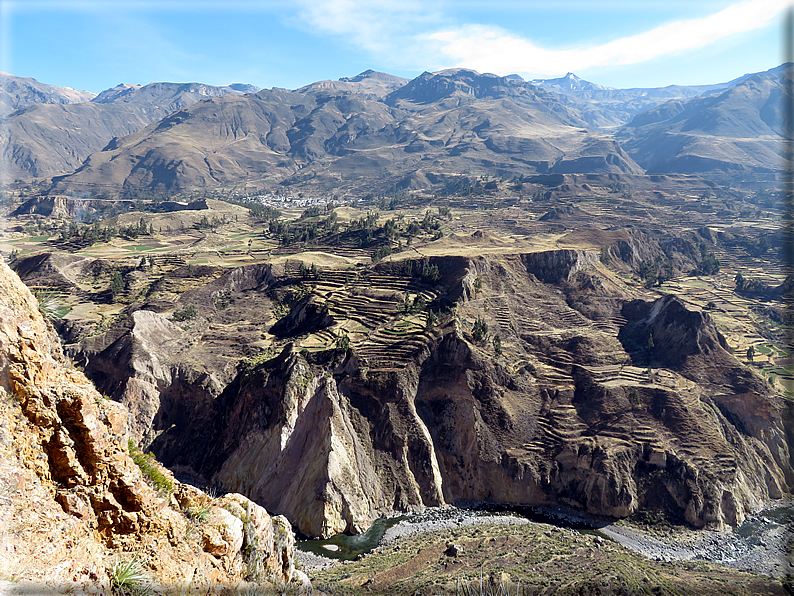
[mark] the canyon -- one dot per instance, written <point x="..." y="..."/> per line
<point x="303" y="310"/>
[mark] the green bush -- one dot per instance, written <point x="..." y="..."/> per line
<point x="184" y="314"/>
<point x="48" y="304"/>
<point x="199" y="513"/>
<point x="497" y="345"/>
<point x="116" y="284"/>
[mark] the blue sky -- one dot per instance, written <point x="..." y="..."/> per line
<point x="93" y="44"/>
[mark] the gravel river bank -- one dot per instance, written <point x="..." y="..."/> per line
<point x="760" y="544"/>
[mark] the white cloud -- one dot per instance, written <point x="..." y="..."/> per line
<point x="490" y="49"/>
<point x="384" y="27"/>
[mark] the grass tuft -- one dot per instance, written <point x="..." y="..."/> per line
<point x="200" y="513"/>
<point x="128" y="579"/>
<point x="151" y="470"/>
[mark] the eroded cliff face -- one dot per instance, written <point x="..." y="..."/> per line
<point x="75" y="504"/>
<point x="330" y="446"/>
<point x="159" y="369"/>
<point x="575" y="410"/>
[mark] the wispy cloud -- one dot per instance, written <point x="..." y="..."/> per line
<point x="386" y="28"/>
<point x="420" y="34"/>
<point x="490" y="49"/>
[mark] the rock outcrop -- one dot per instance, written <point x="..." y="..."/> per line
<point x="330" y="451"/>
<point x="87" y="210"/>
<point x="75" y="504"/>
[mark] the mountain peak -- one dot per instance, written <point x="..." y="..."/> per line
<point x="569" y="82"/>
<point x="375" y="75"/>
<point x="461" y="83"/>
<point x="244" y="88"/>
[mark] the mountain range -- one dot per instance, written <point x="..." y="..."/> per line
<point x="610" y="107"/>
<point x="376" y="131"/>
<point x="51" y="130"/>
<point x="738" y="128"/>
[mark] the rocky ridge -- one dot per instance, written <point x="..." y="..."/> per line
<point x="740" y="128"/>
<point x="42" y="137"/>
<point x="18" y="92"/>
<point x="75" y="506"/>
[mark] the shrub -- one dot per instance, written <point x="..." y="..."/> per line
<point x="430" y="321"/>
<point x="48" y="304"/>
<point x="198" y="514"/>
<point x="343" y="341"/>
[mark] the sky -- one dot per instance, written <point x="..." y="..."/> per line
<point x="97" y="44"/>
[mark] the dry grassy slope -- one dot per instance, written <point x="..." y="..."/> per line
<point x="454" y="121"/>
<point x="46" y="140"/>
<point x="74" y="503"/>
<point x="739" y="128"/>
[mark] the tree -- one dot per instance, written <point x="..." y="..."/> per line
<point x="186" y="313"/>
<point x="750" y="354"/>
<point x="343" y="341"/>
<point x="390" y="228"/>
<point x="497" y="344"/>
<point x="480" y="330"/>
<point x="650" y="346"/>
<point x="430" y="273"/>
<point x="430" y="320"/>
<point x="116" y="284"/>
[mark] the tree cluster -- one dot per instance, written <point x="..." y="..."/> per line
<point x="749" y="285"/>
<point x="709" y="265"/>
<point x="91" y="234"/>
<point x="313" y="272"/>
<point x="211" y="224"/>
<point x="655" y="272"/>
<point x="303" y="231"/>
<point x="480" y="330"/>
